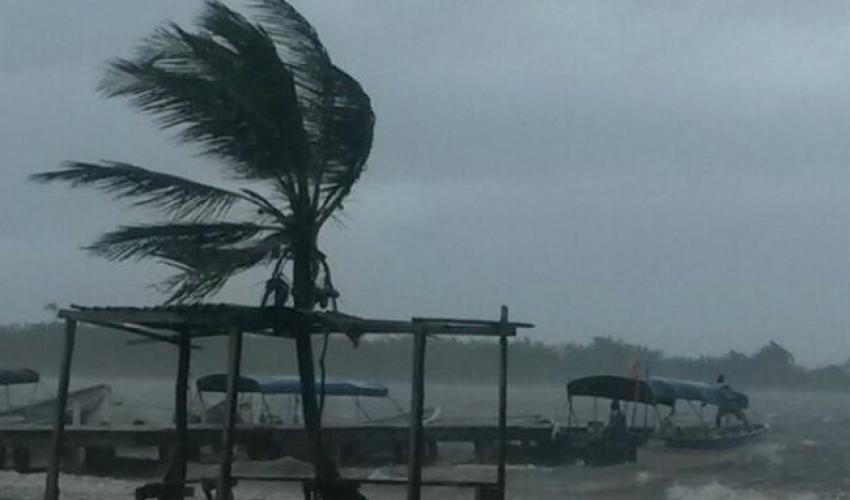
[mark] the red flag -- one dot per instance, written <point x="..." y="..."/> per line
<point x="634" y="369"/>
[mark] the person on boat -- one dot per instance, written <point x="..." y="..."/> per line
<point x="617" y="430"/>
<point x="668" y="422"/>
<point x="621" y="447"/>
<point x="729" y="404"/>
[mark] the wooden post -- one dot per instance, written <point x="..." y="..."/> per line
<point x="234" y="353"/>
<point x="176" y="472"/>
<point x="51" y="489"/>
<point x="503" y="403"/>
<point x="417" y="402"/>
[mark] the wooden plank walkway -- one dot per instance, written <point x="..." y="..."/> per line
<point x="386" y="437"/>
<point x="152" y="435"/>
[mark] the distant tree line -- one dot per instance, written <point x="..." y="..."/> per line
<point x="108" y="353"/>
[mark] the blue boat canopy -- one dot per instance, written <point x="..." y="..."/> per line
<point x="18" y="376"/>
<point x="668" y="390"/>
<point x="659" y="390"/>
<point x="611" y="387"/>
<point x="291" y="385"/>
<point x="218" y="383"/>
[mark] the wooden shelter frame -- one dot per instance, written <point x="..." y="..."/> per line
<point x="180" y="324"/>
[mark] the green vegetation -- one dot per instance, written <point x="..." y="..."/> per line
<point x="105" y="353"/>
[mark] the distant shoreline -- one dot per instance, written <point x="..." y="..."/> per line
<point x="105" y="353"/>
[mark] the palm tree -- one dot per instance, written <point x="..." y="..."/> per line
<point x="265" y="98"/>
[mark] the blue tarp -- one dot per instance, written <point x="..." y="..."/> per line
<point x="218" y="383"/>
<point x="668" y="390"/>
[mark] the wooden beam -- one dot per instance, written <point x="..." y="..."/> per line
<point x="470" y="330"/>
<point x="396" y="329"/>
<point x="217" y="319"/>
<point x="126" y="315"/>
<point x="503" y="406"/>
<point x="138" y="330"/>
<point x="465" y="321"/>
<point x="234" y="353"/>
<point x="51" y="489"/>
<point x="417" y="405"/>
<point x="172" y="340"/>
<point x="176" y="472"/>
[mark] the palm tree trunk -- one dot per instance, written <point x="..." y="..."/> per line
<point x="302" y="295"/>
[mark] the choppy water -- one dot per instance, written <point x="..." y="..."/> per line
<point x="804" y="456"/>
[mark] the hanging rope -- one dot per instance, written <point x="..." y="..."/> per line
<point x="328" y="292"/>
<point x="322" y="374"/>
<point x="325" y="296"/>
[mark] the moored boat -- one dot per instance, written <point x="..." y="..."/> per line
<point x="702" y="434"/>
<point x="704" y="438"/>
<point x="255" y="408"/>
<point x="597" y="442"/>
<point x="85" y="406"/>
<point x="290" y="386"/>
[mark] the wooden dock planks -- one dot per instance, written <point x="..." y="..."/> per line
<point x="137" y="436"/>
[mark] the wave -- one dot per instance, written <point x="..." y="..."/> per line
<point x="31" y="486"/>
<point x="17" y="486"/>
<point x="718" y="491"/>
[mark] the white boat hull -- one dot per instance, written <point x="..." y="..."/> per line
<point x="85" y="406"/>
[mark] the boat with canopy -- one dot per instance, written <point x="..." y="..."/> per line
<point x="698" y="396"/>
<point x="18" y="376"/>
<point x="591" y="439"/>
<point x="86" y="405"/>
<point x="641" y="400"/>
<point x="256" y="408"/>
<point x="264" y="387"/>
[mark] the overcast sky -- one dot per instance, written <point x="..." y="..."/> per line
<point x="666" y="172"/>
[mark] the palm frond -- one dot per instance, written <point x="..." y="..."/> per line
<point x="267" y="207"/>
<point x="204" y="274"/>
<point x="170" y="240"/>
<point x="337" y="115"/>
<point x="265" y="98"/>
<point x="298" y="44"/>
<point x="174" y="195"/>
<point x="349" y="130"/>
<point x="224" y="88"/>
<point x="191" y="286"/>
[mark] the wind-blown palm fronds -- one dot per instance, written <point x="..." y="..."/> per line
<point x="174" y="195"/>
<point x="265" y="98"/>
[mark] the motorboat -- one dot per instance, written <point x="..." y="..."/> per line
<point x="371" y="442"/>
<point x="88" y="405"/>
<point x="261" y="412"/>
<point x="701" y="433"/>
<point x="592" y="439"/>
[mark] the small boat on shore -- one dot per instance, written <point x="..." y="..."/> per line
<point x="85" y="406"/>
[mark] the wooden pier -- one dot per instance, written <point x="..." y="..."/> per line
<point x="179" y="324"/>
<point x="96" y="446"/>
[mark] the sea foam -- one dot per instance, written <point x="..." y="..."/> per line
<point x="718" y="491"/>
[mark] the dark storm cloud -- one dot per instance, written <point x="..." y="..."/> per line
<point x="667" y="172"/>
